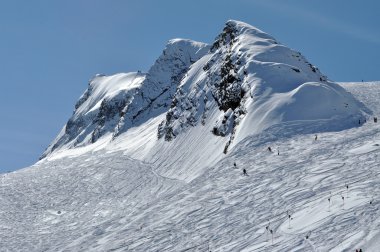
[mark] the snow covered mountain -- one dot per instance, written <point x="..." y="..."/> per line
<point x="153" y="161"/>
<point x="198" y="101"/>
<point x="113" y="104"/>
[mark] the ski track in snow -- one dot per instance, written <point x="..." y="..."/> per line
<point x="114" y="203"/>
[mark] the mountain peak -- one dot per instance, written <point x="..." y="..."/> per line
<point x="113" y="104"/>
<point x="236" y="30"/>
<point x="179" y="48"/>
<point x="204" y="99"/>
<point x="242" y="27"/>
<point x="184" y="42"/>
<point x="244" y="70"/>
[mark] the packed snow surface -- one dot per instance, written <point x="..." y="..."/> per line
<point x="99" y="201"/>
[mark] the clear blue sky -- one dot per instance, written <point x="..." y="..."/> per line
<point x="49" y="50"/>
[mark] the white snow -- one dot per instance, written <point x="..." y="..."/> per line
<point x="109" y="183"/>
<point x="113" y="104"/>
<point x="108" y="201"/>
<point x="280" y="87"/>
<point x="109" y="86"/>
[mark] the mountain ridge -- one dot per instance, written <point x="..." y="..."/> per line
<point x="177" y="159"/>
<point x="205" y="99"/>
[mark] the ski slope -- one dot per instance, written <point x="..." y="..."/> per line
<point x="146" y="162"/>
<point x="198" y="101"/>
<point x="101" y="199"/>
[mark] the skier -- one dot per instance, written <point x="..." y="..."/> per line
<point x="245" y="172"/>
<point x="234" y="164"/>
<point x="278" y="151"/>
<point x="308" y="235"/>
<point x="316" y="137"/>
<point x="271" y="231"/>
<point x="375" y="119"/>
<point x="269" y="149"/>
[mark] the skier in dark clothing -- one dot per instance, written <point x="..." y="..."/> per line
<point x="234" y="164"/>
<point x="245" y="172"/>
<point x="316" y="137"/>
<point x="269" y="149"/>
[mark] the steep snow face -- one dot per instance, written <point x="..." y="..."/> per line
<point x="98" y="110"/>
<point x="249" y="82"/>
<point x="162" y="81"/>
<point x="112" y="104"/>
<point x="198" y="101"/>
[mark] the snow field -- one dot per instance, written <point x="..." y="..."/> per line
<point x="114" y="203"/>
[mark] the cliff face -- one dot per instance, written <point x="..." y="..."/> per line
<point x="98" y="110"/>
<point x="249" y="82"/>
<point x="161" y="83"/>
<point x="112" y="104"/>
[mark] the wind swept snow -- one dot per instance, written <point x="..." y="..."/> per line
<point x="154" y="162"/>
<point x="197" y="102"/>
<point x="108" y="202"/>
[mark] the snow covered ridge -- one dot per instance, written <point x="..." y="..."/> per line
<point x="113" y="103"/>
<point x="243" y="84"/>
<point x="153" y="161"/>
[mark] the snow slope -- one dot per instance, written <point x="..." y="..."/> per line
<point x="113" y="104"/>
<point x="146" y="162"/>
<point x="98" y="109"/>
<point x="197" y="102"/>
<point x="109" y="202"/>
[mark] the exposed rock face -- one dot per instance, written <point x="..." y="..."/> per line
<point x="98" y="110"/>
<point x="245" y="66"/>
<point x="241" y="85"/>
<point x="113" y="104"/>
<point x="157" y="90"/>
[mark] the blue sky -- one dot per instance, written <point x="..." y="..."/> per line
<point x="50" y="49"/>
